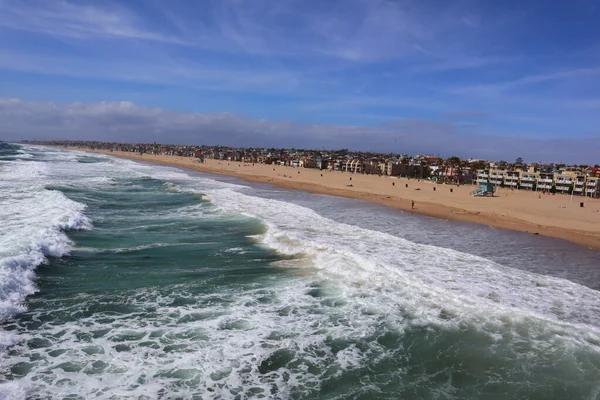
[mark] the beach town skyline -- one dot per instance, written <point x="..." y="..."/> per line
<point x="289" y="155"/>
<point x="552" y="200"/>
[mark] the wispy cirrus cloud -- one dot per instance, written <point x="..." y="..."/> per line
<point x="355" y="30"/>
<point x="78" y="21"/>
<point x="182" y="73"/>
<point x="467" y="115"/>
<point x="339" y="62"/>
<point x="496" y="88"/>
<point x="465" y="62"/>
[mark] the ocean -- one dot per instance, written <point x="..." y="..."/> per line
<point x="126" y="280"/>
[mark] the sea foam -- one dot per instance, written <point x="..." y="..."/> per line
<point x="34" y="221"/>
<point x="430" y="284"/>
<point x="427" y="283"/>
<point x="349" y="289"/>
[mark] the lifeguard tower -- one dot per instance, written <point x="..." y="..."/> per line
<point x="484" y="189"/>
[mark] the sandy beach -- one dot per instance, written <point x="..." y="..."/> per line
<point x="557" y="216"/>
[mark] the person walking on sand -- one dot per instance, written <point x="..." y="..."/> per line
<point x="412" y="205"/>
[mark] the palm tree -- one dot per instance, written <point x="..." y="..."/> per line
<point x="442" y="170"/>
<point x="455" y="163"/>
<point x="480" y="165"/>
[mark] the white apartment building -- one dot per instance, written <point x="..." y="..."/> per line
<point x="355" y="166"/>
<point x="511" y="179"/>
<point x="545" y="181"/>
<point x="563" y="182"/>
<point x="497" y="177"/>
<point x="592" y="187"/>
<point x="528" y="180"/>
<point x="483" y="175"/>
<point x="579" y="186"/>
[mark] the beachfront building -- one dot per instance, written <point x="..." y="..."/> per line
<point x="497" y="177"/>
<point x="579" y="185"/>
<point x="564" y="182"/>
<point x="336" y="165"/>
<point x="393" y="169"/>
<point x="594" y="172"/>
<point x="528" y="180"/>
<point x="321" y="163"/>
<point x="372" y="167"/>
<point x="452" y="175"/>
<point x="545" y="181"/>
<point x="353" y="165"/>
<point x="308" y="163"/>
<point x="483" y="176"/>
<point x="467" y="176"/>
<point x="511" y="179"/>
<point x="592" y="187"/>
<point x="414" y="171"/>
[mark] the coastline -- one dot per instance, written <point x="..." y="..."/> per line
<point x="554" y="216"/>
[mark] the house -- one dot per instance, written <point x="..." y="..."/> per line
<point x="308" y="163"/>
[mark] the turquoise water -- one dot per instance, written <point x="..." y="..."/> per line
<point x="128" y="280"/>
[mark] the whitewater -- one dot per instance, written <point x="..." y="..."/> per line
<point x="130" y="280"/>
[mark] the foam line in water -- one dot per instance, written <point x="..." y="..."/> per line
<point x="426" y="282"/>
<point x="466" y="285"/>
<point x="33" y="224"/>
<point x="345" y="304"/>
<point x="134" y="248"/>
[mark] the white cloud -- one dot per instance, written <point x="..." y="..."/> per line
<point x="339" y="60"/>
<point x="353" y="30"/>
<point x="498" y="88"/>
<point x="80" y="21"/>
<point x="127" y="122"/>
<point x="163" y="70"/>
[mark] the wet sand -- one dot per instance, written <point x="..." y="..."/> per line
<point x="557" y="216"/>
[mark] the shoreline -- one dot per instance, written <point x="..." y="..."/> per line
<point x="581" y="225"/>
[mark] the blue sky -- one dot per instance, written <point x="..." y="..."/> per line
<point x="496" y="79"/>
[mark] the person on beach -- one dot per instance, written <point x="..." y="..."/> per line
<point x="412" y="205"/>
